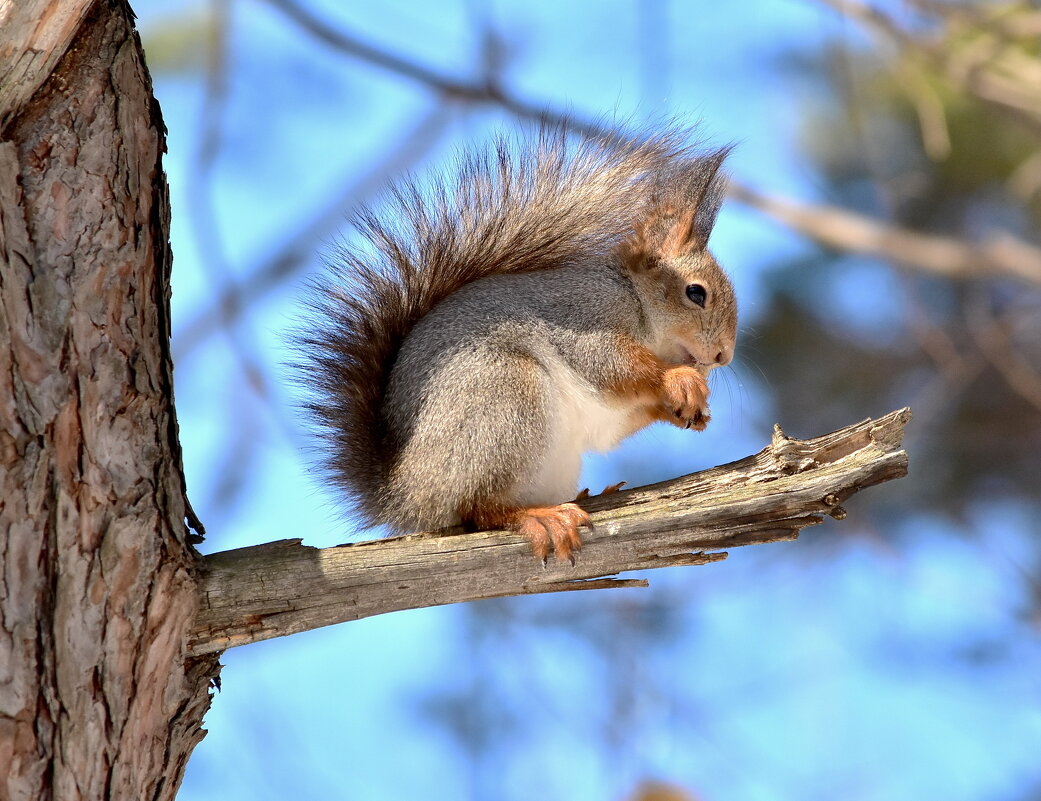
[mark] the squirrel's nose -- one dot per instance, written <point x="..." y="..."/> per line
<point x="723" y="357"/>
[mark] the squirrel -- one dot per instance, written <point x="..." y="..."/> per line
<point x="544" y="301"/>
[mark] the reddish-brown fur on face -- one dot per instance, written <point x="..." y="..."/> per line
<point x="548" y="528"/>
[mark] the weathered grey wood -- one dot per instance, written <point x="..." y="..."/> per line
<point x="284" y="587"/>
<point x="34" y="35"/>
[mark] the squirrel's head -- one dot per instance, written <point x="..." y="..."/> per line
<point x="687" y="297"/>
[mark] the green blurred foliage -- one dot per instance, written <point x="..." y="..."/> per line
<point x="179" y="45"/>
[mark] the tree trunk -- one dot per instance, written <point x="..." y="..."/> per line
<point x="97" y="699"/>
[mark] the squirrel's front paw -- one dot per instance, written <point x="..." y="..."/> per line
<point x="685" y="398"/>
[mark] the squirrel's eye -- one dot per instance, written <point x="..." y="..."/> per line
<point x="697" y="294"/>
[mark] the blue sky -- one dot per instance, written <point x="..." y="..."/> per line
<point x="831" y="667"/>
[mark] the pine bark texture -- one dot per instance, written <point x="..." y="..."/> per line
<point x="97" y="699"/>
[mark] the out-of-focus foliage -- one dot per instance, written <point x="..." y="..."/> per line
<point x="902" y="140"/>
<point x="179" y="45"/>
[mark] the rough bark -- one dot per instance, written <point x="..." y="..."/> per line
<point x="97" y="699"/>
<point x="281" y="588"/>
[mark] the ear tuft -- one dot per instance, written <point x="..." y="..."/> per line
<point x="680" y="213"/>
<point x="710" y="185"/>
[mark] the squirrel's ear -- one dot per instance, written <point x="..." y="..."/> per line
<point x="712" y="188"/>
<point x="680" y="213"/>
<point x="703" y="187"/>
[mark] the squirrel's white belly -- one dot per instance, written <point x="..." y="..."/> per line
<point x="581" y="420"/>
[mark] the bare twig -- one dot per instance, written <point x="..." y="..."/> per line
<point x="284" y="587"/>
<point x="485" y="90"/>
<point x="995" y="342"/>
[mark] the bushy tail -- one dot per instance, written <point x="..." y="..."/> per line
<point x="549" y="201"/>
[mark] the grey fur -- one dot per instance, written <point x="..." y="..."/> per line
<point x="461" y="400"/>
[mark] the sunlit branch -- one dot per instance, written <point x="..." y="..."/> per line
<point x="281" y="588"/>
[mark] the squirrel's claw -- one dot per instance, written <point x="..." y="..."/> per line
<point x="583" y="495"/>
<point x="698" y="422"/>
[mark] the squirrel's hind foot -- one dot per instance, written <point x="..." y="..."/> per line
<point x="554" y="528"/>
<point x="548" y="528"/>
